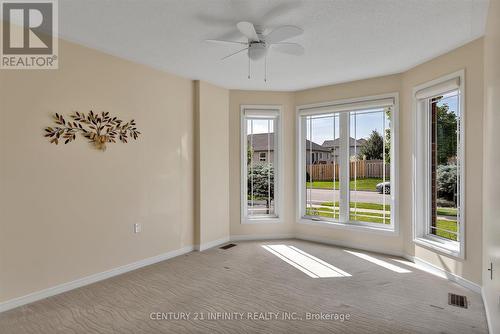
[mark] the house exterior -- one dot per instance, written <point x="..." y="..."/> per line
<point x="316" y="154"/>
<point x="263" y="149"/>
<point x="334" y="147"/>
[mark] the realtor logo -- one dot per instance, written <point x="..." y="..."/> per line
<point x="29" y="34"/>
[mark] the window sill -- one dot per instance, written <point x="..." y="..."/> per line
<point x="354" y="226"/>
<point x="447" y="247"/>
<point x="261" y="220"/>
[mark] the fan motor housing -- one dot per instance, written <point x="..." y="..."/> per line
<point x="257" y="50"/>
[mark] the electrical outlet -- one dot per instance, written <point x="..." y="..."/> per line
<point x="137" y="228"/>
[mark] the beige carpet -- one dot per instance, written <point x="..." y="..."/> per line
<point x="247" y="279"/>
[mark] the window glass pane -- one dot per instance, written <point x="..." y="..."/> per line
<point x="445" y="141"/>
<point x="347" y="166"/>
<point x="260" y="167"/>
<point x="369" y="166"/>
<point x="322" y="148"/>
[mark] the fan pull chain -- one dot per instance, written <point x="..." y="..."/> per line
<point x="248" y="67"/>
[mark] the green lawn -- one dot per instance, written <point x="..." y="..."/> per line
<point x="365" y="216"/>
<point x="375" y="206"/>
<point x="361" y="184"/>
<point x="447" y="211"/>
<point x="359" y="212"/>
<point x="361" y="205"/>
<point x="449" y="225"/>
<point x="329" y="210"/>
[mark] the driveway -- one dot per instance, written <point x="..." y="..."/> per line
<point x="327" y="195"/>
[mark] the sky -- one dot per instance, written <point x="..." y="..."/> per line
<point x="451" y="100"/>
<point x="361" y="126"/>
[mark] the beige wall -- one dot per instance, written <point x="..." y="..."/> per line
<point x="212" y="122"/>
<point x="68" y="211"/>
<point x="470" y="58"/>
<point x="491" y="158"/>
<point x="236" y="99"/>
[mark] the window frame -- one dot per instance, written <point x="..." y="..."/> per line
<point x="277" y="162"/>
<point x="421" y="201"/>
<point x="345" y="106"/>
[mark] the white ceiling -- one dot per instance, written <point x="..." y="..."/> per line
<point x="344" y="40"/>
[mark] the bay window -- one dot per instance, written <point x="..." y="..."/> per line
<point x="346" y="163"/>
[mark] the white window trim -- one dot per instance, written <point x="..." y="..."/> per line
<point x="420" y="201"/>
<point x="341" y="106"/>
<point x="263" y="110"/>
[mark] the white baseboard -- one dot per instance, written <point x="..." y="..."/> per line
<point x="348" y="245"/>
<point x="211" y="244"/>
<point x="23" y="300"/>
<point x="249" y="237"/>
<point x="55" y="290"/>
<point x="432" y="269"/>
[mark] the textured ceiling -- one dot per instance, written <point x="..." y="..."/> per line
<point x="344" y="40"/>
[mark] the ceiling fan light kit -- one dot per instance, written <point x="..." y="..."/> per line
<point x="258" y="44"/>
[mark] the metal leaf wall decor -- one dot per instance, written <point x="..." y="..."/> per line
<point x="99" y="129"/>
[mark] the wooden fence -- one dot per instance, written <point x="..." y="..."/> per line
<point x="362" y="169"/>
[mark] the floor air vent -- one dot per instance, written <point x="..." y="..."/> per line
<point x="457" y="300"/>
<point x="227" y="246"/>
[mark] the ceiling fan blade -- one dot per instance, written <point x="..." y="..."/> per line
<point x="234" y="53"/>
<point x="290" y="48"/>
<point x="247" y="29"/>
<point x="281" y="33"/>
<point x="220" y="41"/>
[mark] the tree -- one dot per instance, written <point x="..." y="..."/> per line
<point x="373" y="148"/>
<point x="387" y="152"/>
<point x="446" y="134"/>
<point x="261" y="183"/>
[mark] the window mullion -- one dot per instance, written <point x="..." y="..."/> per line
<point x="244" y="166"/>
<point x="383" y="164"/>
<point x="251" y="163"/>
<point x="310" y="163"/>
<point x="303" y="167"/>
<point x="334" y="163"/>
<point x="344" y="167"/>
<point x="268" y="167"/>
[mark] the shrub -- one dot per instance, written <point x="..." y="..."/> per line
<point x="261" y="173"/>
<point x="446" y="182"/>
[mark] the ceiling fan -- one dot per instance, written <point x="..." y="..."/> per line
<point x="258" y="44"/>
